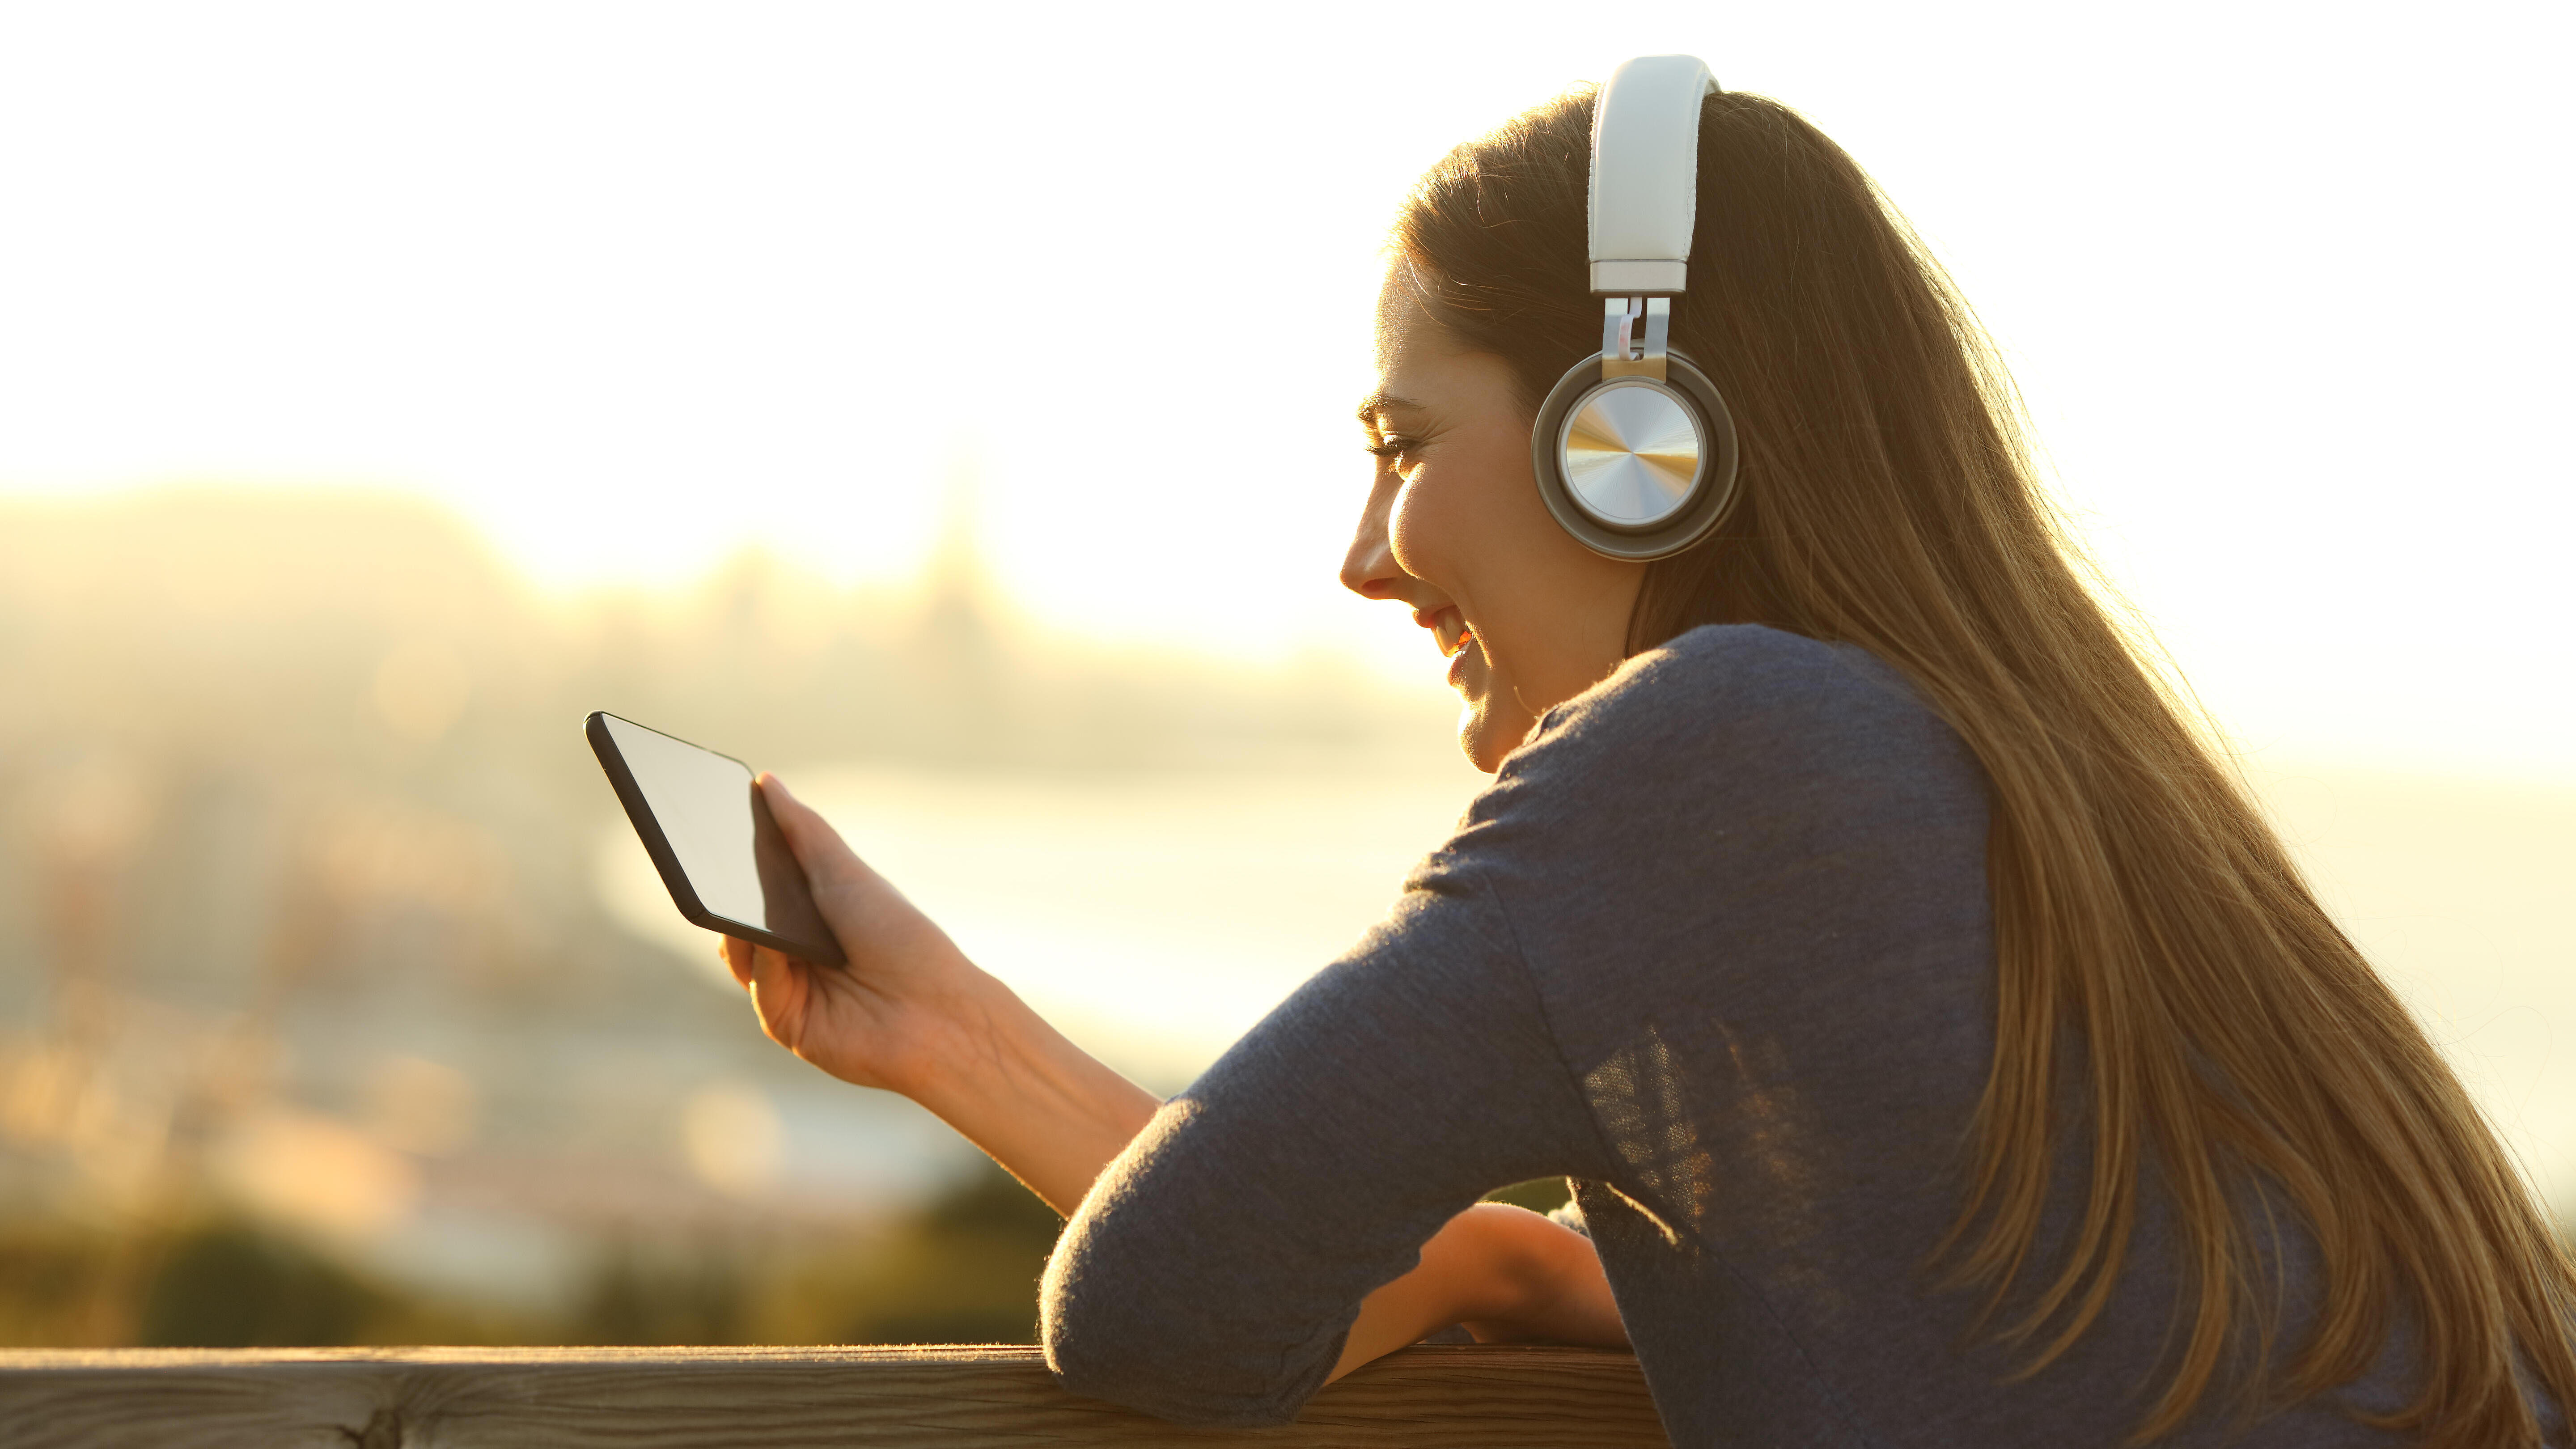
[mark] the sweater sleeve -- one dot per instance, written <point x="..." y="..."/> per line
<point x="1215" y="1270"/>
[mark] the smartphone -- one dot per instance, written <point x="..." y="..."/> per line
<point x="711" y="835"/>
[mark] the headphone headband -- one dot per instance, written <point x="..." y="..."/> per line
<point x="1634" y="450"/>
<point x="1645" y="174"/>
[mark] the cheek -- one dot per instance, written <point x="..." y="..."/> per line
<point x="1453" y="522"/>
<point x="1422" y="528"/>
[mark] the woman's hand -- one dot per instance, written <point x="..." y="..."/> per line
<point x="1507" y="1274"/>
<point x="1543" y="1284"/>
<point x="912" y="1015"/>
<point x="906" y="1001"/>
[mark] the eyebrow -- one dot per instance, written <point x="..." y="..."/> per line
<point x="1384" y="402"/>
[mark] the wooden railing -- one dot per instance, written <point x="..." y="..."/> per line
<point x="767" y="1398"/>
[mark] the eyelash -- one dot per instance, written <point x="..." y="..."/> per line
<point x="1392" y="447"/>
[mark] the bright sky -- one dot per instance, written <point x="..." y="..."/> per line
<point x="632" y="285"/>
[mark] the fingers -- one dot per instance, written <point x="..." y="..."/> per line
<point x="774" y="981"/>
<point x="736" y="954"/>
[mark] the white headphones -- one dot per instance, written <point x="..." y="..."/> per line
<point x="1634" y="449"/>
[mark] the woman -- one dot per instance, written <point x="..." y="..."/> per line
<point x="1942" y="1048"/>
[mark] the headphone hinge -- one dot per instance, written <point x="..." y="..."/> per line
<point x="1624" y="351"/>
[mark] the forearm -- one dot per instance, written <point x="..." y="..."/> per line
<point x="909" y="1013"/>
<point x="1042" y="1107"/>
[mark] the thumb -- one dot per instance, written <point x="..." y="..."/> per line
<point x="809" y="836"/>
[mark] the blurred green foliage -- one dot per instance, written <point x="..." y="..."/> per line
<point x="230" y="1286"/>
<point x="643" y="1296"/>
<point x="54" y="1282"/>
<point x="966" y="1271"/>
<point x="1539" y="1194"/>
<point x="963" y="1269"/>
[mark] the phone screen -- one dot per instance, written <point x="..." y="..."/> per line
<point x="709" y="831"/>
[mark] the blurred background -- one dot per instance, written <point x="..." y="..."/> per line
<point x="949" y="409"/>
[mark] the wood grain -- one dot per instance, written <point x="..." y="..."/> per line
<point x="1480" y="1397"/>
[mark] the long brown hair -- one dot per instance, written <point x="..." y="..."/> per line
<point x="2162" y="971"/>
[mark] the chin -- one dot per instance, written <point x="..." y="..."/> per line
<point x="1480" y="738"/>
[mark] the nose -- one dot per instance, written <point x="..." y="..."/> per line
<point x="1369" y="569"/>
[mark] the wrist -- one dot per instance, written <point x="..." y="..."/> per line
<point x="1049" y="1112"/>
<point x="952" y="1035"/>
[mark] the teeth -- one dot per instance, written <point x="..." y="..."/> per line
<point x="1449" y="633"/>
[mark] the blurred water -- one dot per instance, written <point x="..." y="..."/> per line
<point x="1153" y="917"/>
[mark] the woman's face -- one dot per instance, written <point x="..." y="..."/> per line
<point x="1454" y="527"/>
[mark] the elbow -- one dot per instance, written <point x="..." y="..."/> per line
<point x="1094" y="1351"/>
<point x="1104" y="1340"/>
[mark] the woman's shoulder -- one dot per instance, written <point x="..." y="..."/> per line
<point x="1723" y="688"/>
<point x="1741" y="723"/>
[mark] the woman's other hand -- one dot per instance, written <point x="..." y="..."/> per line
<point x="911" y="1014"/>
<point x="1504" y="1273"/>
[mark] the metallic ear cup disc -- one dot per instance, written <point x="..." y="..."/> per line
<point x="1632" y="453"/>
<point x="1632" y="467"/>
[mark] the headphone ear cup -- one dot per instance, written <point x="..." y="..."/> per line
<point x="1712" y="485"/>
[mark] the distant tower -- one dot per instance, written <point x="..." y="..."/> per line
<point x="957" y="588"/>
<point x="957" y="655"/>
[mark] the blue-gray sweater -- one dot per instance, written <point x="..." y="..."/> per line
<point x="1716" y="945"/>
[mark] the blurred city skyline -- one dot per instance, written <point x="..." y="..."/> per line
<point x="316" y="912"/>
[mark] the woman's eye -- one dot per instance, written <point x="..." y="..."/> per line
<point x="1391" y="447"/>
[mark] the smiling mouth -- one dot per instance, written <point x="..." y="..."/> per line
<point x="1449" y="631"/>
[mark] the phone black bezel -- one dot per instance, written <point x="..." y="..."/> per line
<point x="657" y="845"/>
